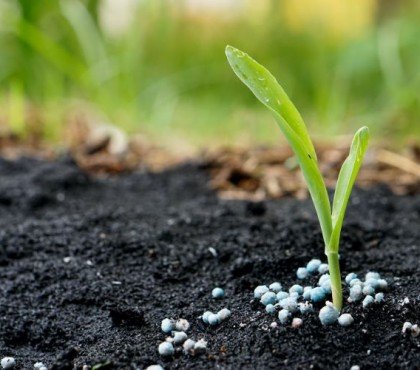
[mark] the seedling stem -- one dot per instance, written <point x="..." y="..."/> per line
<point x="266" y="88"/>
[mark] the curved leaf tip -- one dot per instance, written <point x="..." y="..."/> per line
<point x="363" y="133"/>
<point x="230" y="51"/>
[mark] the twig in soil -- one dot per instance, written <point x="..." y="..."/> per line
<point x="398" y="161"/>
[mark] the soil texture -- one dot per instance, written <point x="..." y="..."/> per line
<point x="90" y="266"/>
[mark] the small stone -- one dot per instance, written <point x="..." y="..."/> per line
<point x="355" y="367"/>
<point x="188" y="345"/>
<point x="328" y="314"/>
<point x="182" y="325"/>
<point x="38" y="365"/>
<point x="166" y="349"/>
<point x="213" y="251"/>
<point x="223" y="314"/>
<point x="8" y="362"/>
<point x="379" y="297"/>
<point x="260" y="290"/>
<point x="297" y="323"/>
<point x="179" y="337"/>
<point x="323" y="268"/>
<point x="317" y="294"/>
<point x="367" y="301"/>
<point x="268" y="298"/>
<point x="345" y="319"/>
<point x="167" y="325"/>
<point x="154" y="367"/>
<point x="406" y="301"/>
<point x="213" y="319"/>
<point x="270" y="309"/>
<point x="282" y="295"/>
<point x="200" y="346"/>
<point x="415" y="331"/>
<point x="296" y="289"/>
<point x="275" y="287"/>
<point x="406" y="326"/>
<point x="218" y="293"/>
<point x="302" y="273"/>
<point x="350" y="277"/>
<point x="313" y="266"/>
<point x="273" y="325"/>
<point x="284" y="316"/>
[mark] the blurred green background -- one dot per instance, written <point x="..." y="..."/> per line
<point x="158" y="67"/>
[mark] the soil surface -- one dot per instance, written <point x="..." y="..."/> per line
<point x="90" y="266"/>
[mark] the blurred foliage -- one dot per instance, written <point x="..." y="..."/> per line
<point x="157" y="67"/>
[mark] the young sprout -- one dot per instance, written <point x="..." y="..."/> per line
<point x="266" y="88"/>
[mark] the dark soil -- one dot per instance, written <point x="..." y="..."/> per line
<point x="139" y="252"/>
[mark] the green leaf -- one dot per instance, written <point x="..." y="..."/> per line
<point x="345" y="182"/>
<point x="266" y="88"/>
<point x="269" y="92"/>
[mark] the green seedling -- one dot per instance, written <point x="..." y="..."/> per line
<point x="266" y="88"/>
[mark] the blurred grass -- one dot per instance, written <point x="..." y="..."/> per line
<point x="163" y="72"/>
